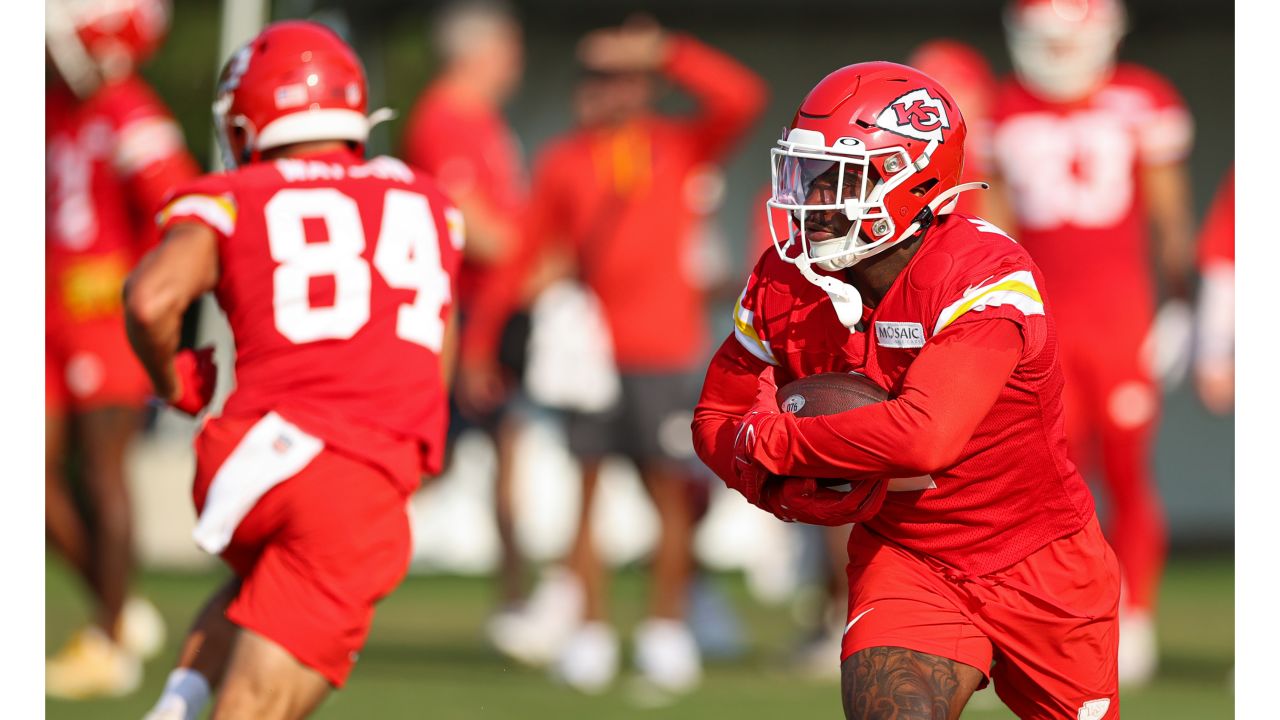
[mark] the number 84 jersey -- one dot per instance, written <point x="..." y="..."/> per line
<point x="337" y="277"/>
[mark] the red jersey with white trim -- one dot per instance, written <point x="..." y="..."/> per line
<point x="109" y="161"/>
<point x="467" y="149"/>
<point x="1012" y="489"/>
<point x="1073" y="170"/>
<point x="337" y="278"/>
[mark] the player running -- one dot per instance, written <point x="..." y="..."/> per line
<point x="336" y="274"/>
<point x="993" y="567"/>
<point x="1093" y="153"/>
<point x="112" y="151"/>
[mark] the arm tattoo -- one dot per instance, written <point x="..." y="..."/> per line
<point x="892" y="683"/>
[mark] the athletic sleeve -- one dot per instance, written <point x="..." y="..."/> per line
<point x="919" y="432"/>
<point x="209" y="201"/>
<point x="727" y="394"/>
<point x="729" y="94"/>
<point x="1011" y="293"/>
<point x="748" y="330"/>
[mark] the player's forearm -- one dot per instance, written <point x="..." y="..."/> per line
<point x="1168" y="197"/>
<point x="153" y="323"/>
<point x="727" y="395"/>
<point x="949" y="389"/>
<point x="726" y="89"/>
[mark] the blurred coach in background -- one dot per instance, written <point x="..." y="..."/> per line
<point x="608" y="204"/>
<point x="457" y="134"/>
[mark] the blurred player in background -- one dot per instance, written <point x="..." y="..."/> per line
<point x="1215" y="366"/>
<point x="1093" y="156"/>
<point x="608" y="206"/>
<point x="963" y="71"/>
<point x="336" y="274"/>
<point x="112" y="152"/>
<point x="456" y="134"/>
<point x="988" y="563"/>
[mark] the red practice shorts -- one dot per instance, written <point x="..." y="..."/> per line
<point x="89" y="366"/>
<point x="88" y="362"/>
<point x="1048" y="622"/>
<point x="315" y="553"/>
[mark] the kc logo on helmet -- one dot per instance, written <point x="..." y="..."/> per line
<point x="917" y="115"/>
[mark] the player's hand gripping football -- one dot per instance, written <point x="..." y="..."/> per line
<point x="197" y="376"/>
<point x="795" y="499"/>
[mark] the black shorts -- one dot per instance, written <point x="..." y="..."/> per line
<point x="649" y="423"/>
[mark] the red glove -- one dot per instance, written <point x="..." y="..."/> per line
<point x="197" y="375"/>
<point x="751" y="476"/>
<point x="795" y="499"/>
<point x="804" y="500"/>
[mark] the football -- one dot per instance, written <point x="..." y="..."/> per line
<point x="828" y="393"/>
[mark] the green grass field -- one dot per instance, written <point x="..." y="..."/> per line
<point x="425" y="657"/>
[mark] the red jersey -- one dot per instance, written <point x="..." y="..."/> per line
<point x="336" y="277"/>
<point x="1012" y="488"/>
<point x="1217" y="243"/>
<point x="109" y="161"/>
<point x="616" y="198"/>
<point x="466" y="149"/>
<point x="1073" y="173"/>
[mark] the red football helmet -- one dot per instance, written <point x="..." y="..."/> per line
<point x="297" y="81"/>
<point x="962" y="70"/>
<point x="91" y="41"/>
<point x="1063" y="49"/>
<point x="900" y="137"/>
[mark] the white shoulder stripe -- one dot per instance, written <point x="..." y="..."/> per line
<point x="217" y="211"/>
<point x="744" y="330"/>
<point x="1017" y="289"/>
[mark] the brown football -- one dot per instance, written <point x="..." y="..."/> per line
<point x="828" y="394"/>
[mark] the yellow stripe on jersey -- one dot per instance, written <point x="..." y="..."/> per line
<point x="744" y="330"/>
<point x="1017" y="289"/>
<point x="216" y="210"/>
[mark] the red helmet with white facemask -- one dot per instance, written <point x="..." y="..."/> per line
<point x="92" y="42"/>
<point x="297" y="81"/>
<point x="895" y="138"/>
<point x="1063" y="49"/>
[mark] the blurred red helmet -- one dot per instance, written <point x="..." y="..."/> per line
<point x="297" y="81"/>
<point x="91" y="41"/>
<point x="1063" y="49"/>
<point x="894" y="129"/>
<point x="961" y="68"/>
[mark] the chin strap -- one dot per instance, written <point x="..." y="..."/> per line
<point x="932" y="209"/>
<point x="381" y="115"/>
<point x="845" y="297"/>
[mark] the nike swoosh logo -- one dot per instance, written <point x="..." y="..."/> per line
<point x="971" y="288"/>
<point x="856" y="618"/>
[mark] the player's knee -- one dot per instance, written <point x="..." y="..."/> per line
<point x="896" y="682"/>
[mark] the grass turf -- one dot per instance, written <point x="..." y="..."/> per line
<point x="425" y="657"/>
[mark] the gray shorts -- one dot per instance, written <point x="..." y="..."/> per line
<point x="649" y="423"/>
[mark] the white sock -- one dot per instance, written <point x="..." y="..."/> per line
<point x="186" y="692"/>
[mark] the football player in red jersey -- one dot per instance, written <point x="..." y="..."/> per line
<point x="336" y="274"/>
<point x="112" y="151"/>
<point x="986" y="561"/>
<point x="1092" y="153"/>
<point x="1215" y="315"/>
